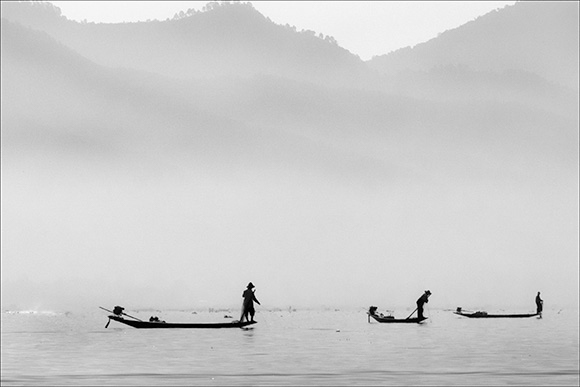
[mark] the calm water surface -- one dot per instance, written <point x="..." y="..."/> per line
<point x="310" y="347"/>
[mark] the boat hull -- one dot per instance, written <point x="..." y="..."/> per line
<point x="162" y="325"/>
<point x="387" y="320"/>
<point x="482" y="315"/>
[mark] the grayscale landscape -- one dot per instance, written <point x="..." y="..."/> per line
<point x="169" y="163"/>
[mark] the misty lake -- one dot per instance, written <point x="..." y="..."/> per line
<point x="303" y="347"/>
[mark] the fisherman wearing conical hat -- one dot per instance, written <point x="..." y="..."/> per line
<point x="248" y="305"/>
<point x="422" y="300"/>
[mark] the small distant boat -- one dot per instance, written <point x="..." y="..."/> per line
<point x="117" y="315"/>
<point x="391" y="319"/>
<point x="481" y="314"/>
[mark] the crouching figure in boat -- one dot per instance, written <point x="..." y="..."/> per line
<point x="389" y="318"/>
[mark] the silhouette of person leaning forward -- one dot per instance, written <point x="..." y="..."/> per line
<point x="248" y="305"/>
<point x="539" y="304"/>
<point x="422" y="300"/>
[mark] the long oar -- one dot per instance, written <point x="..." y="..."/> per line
<point x="110" y="311"/>
<point x="128" y="315"/>
<point x="412" y="313"/>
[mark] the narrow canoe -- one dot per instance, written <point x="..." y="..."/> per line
<point x="486" y="315"/>
<point x="163" y="325"/>
<point x="389" y="319"/>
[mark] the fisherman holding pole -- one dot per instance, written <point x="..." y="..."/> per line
<point x="420" y="302"/>
<point x="248" y="305"/>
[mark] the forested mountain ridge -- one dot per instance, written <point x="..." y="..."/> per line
<point x="235" y="40"/>
<point x="536" y="37"/>
<point x="52" y="92"/>
<point x="145" y="73"/>
<point x="224" y="40"/>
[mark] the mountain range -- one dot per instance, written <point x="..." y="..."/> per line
<point x="536" y="37"/>
<point x="232" y="64"/>
<point x="236" y="40"/>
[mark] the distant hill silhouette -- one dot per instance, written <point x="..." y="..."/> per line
<point x="232" y="39"/>
<point x="58" y="100"/>
<point x="235" y="40"/>
<point x="536" y="37"/>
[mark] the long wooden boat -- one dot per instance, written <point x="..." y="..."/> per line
<point x="164" y="325"/>
<point x="391" y="319"/>
<point x="154" y="323"/>
<point x="480" y="314"/>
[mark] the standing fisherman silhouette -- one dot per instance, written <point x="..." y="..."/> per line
<point x="539" y="305"/>
<point x="248" y="305"/>
<point x="422" y="300"/>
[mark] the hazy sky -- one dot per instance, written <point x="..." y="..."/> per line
<point x="365" y="28"/>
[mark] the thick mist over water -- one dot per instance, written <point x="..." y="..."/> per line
<point x="174" y="234"/>
<point x="323" y="185"/>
